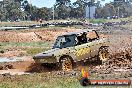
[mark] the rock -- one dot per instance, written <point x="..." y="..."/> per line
<point x="1" y="67"/>
<point x="9" y="66"/>
<point x="2" y="51"/>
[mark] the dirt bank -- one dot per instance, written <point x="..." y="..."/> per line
<point x="32" y="35"/>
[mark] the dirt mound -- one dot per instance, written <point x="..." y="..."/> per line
<point x="51" y="34"/>
<point x="33" y="35"/>
<point x="18" y="37"/>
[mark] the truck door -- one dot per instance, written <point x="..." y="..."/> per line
<point x="95" y="48"/>
<point x="82" y="49"/>
<point x="95" y="45"/>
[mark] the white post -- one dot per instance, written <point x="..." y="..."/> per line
<point x="53" y="12"/>
<point x="118" y="12"/>
<point x="30" y="7"/>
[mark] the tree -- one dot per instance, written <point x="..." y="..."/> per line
<point x="62" y="9"/>
<point x="10" y="10"/>
<point x="63" y="2"/>
<point x="123" y="9"/>
<point x="107" y="11"/>
<point x="98" y="12"/>
<point x="78" y="8"/>
<point x="44" y="13"/>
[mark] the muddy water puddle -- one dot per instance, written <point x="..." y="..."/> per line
<point x="7" y="59"/>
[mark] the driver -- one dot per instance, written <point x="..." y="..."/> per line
<point x="82" y="39"/>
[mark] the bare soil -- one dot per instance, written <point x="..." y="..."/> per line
<point x="32" y="35"/>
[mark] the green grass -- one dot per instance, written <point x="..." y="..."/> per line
<point x="25" y="44"/>
<point x="45" y="80"/>
<point x="51" y="83"/>
<point x="42" y="80"/>
<point x="119" y="20"/>
<point x="97" y="20"/>
<point x="27" y="23"/>
<point x="31" y="48"/>
<point x="109" y="20"/>
<point x="33" y="51"/>
<point x="22" y="23"/>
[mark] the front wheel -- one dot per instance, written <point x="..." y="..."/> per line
<point x="103" y="54"/>
<point x="66" y="64"/>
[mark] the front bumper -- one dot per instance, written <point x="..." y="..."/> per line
<point x="45" y="59"/>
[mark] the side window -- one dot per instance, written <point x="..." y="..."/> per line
<point x="69" y="41"/>
<point x="91" y="36"/>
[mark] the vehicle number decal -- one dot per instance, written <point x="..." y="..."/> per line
<point x="82" y="51"/>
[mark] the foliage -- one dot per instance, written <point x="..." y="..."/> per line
<point x="78" y="9"/>
<point x="121" y="9"/>
<point x="63" y="11"/>
<point x="13" y="10"/>
<point x="9" y="9"/>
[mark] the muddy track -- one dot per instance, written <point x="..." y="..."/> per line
<point x="120" y="50"/>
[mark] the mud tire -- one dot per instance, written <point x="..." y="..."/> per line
<point x="66" y="64"/>
<point x="103" y="55"/>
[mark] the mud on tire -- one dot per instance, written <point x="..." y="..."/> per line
<point x="103" y="55"/>
<point x="66" y="63"/>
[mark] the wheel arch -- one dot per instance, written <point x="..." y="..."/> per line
<point x="70" y="57"/>
<point x="63" y="56"/>
<point x="103" y="47"/>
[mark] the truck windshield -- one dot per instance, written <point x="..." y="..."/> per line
<point x="65" y="41"/>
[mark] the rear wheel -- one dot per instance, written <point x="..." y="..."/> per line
<point x="103" y="54"/>
<point x="66" y="64"/>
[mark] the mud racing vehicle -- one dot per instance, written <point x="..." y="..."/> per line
<point x="73" y="47"/>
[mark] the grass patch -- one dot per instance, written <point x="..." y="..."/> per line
<point x="97" y="20"/>
<point x="45" y="80"/>
<point x="33" y="51"/>
<point x="25" y="44"/>
<point x="31" y="48"/>
<point x="22" y="23"/>
<point x="38" y="81"/>
<point x="119" y="20"/>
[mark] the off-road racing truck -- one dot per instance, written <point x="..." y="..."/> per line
<point x="73" y="47"/>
